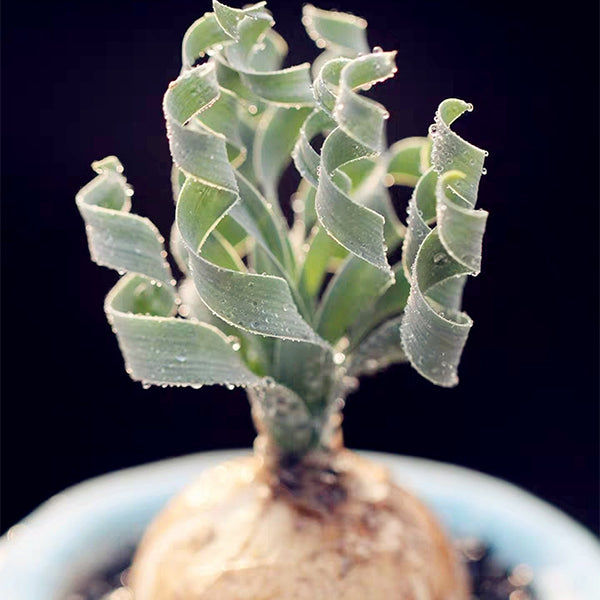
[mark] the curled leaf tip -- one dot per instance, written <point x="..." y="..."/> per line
<point x="437" y="259"/>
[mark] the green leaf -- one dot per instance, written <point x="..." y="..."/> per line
<point x="354" y="286"/>
<point x="254" y="350"/>
<point x="247" y="27"/>
<point x="313" y="381"/>
<point x="434" y="330"/>
<point x="160" y="349"/>
<point x="387" y="306"/>
<point x="230" y="19"/>
<point x="421" y="211"/>
<point x="221" y="117"/>
<point x="116" y="238"/>
<point x="322" y="249"/>
<point x="261" y="304"/>
<point x="338" y="31"/>
<point x="275" y="138"/>
<point x="203" y="35"/>
<point x="357" y="228"/>
<point x="359" y="134"/>
<point x="405" y="163"/>
<point x="306" y="158"/>
<point x="378" y="351"/>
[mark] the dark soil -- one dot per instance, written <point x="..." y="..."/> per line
<point x="491" y="579"/>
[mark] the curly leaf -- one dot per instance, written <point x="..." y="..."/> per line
<point x="306" y="159"/>
<point x="203" y="35"/>
<point x="260" y="304"/>
<point x="162" y="350"/>
<point x="337" y="31"/>
<point x="117" y="238"/>
<point x="158" y="347"/>
<point x="248" y="27"/>
<point x="359" y="134"/>
<point x="434" y="330"/>
<point x="276" y="136"/>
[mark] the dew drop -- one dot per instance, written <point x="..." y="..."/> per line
<point x="180" y="359"/>
<point x="339" y="358"/>
<point x="371" y="364"/>
<point x="440" y="258"/>
<point x="377" y="50"/>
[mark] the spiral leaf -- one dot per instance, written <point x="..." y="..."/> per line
<point x="295" y="313"/>
<point x="257" y="303"/>
<point x="434" y="330"/>
<point x="335" y="30"/>
<point x="158" y="348"/>
<point x="359" y="134"/>
<point x="163" y="350"/>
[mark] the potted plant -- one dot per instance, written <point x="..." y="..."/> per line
<point x="293" y="313"/>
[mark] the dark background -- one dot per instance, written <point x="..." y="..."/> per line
<point x="82" y="80"/>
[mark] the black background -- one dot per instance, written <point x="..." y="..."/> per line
<point x="82" y="80"/>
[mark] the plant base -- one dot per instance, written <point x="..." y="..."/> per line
<point x="237" y="534"/>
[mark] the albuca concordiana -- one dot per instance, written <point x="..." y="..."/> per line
<point x="295" y="314"/>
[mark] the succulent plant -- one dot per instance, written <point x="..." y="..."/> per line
<point x="293" y="311"/>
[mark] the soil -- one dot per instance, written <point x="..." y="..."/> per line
<point x="492" y="580"/>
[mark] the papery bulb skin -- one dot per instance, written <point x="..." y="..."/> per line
<point x="332" y="525"/>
